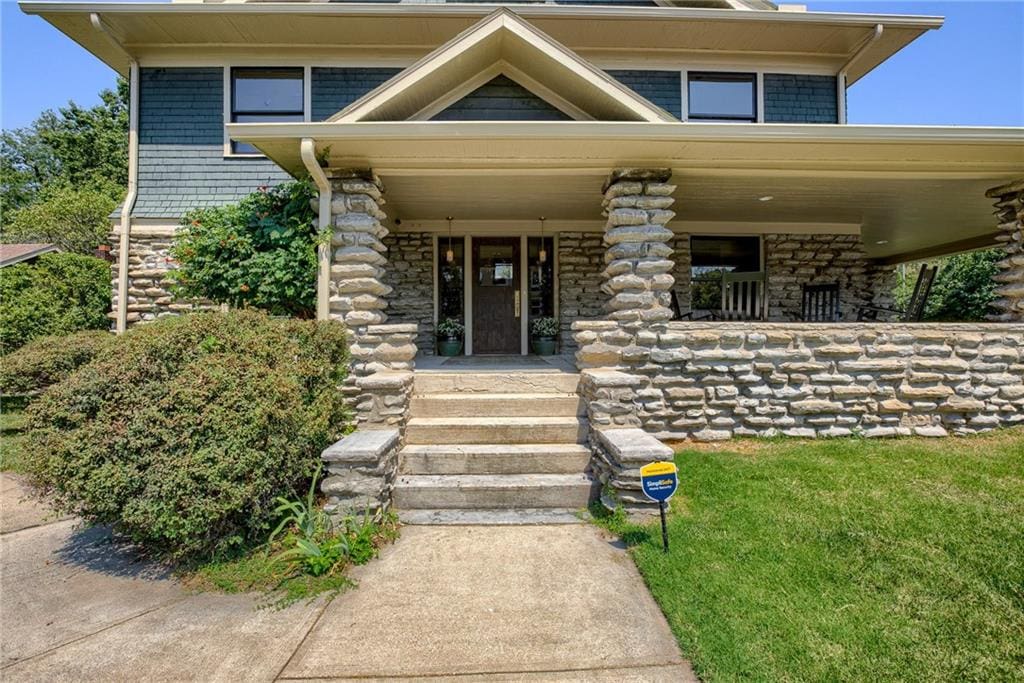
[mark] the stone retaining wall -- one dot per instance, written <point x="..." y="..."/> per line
<point x="714" y="381"/>
<point x="410" y="273"/>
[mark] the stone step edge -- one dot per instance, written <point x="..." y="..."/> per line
<point x="511" y="449"/>
<point x="482" y="396"/>
<point x="482" y="482"/>
<point x="492" y="517"/>
<point x="496" y="421"/>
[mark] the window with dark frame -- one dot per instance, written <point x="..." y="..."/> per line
<point x="265" y="94"/>
<point x="713" y="255"/>
<point x="723" y="97"/>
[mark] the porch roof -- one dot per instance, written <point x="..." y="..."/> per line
<point x="911" y="191"/>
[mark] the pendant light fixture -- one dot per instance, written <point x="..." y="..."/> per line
<point x="449" y="255"/>
<point x="542" y="256"/>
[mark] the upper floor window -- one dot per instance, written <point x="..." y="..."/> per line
<point x="722" y="97"/>
<point x="261" y="94"/>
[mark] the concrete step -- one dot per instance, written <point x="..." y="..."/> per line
<point x="492" y="491"/>
<point x="494" y="459"/>
<point x="496" y="382"/>
<point x="506" y="517"/>
<point x="496" y="405"/>
<point x="495" y="430"/>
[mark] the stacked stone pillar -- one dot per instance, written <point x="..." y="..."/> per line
<point x="1009" y="205"/>
<point x="638" y="269"/>
<point x="357" y="288"/>
<point x="362" y="466"/>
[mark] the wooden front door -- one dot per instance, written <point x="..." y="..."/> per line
<point x="496" y="304"/>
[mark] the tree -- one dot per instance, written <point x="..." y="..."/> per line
<point x="75" y="220"/>
<point x="963" y="289"/>
<point x="75" y="146"/>
<point x="260" y="252"/>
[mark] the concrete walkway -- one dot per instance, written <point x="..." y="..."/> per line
<point x="555" y="603"/>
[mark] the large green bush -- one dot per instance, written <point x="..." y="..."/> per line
<point x="260" y="252"/>
<point x="183" y="435"/>
<point x="45" y="361"/>
<point x="58" y="294"/>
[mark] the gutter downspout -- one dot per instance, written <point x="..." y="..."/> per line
<point x="133" y="172"/>
<point x="307" y="150"/>
<point x="841" y="77"/>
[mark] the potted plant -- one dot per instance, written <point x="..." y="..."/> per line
<point x="449" y="337"/>
<point x="542" y="333"/>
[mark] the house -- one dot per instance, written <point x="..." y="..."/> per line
<point x="20" y="253"/>
<point x="594" y="162"/>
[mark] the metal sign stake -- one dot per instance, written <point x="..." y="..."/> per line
<point x="659" y="481"/>
<point x="664" y="529"/>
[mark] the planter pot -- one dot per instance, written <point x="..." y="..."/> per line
<point x="449" y="347"/>
<point x="543" y="346"/>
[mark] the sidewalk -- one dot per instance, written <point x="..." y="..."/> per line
<point x="557" y="603"/>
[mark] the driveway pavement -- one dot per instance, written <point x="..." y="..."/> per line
<point x="556" y="603"/>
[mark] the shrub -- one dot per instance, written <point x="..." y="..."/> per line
<point x="58" y="294"/>
<point x="260" y="252"/>
<point x="45" y="361"/>
<point x="183" y="436"/>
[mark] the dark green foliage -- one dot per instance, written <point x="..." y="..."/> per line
<point x="183" y="435"/>
<point x="45" y="361"/>
<point x="57" y="294"/>
<point x="963" y="289"/>
<point x="260" y="252"/>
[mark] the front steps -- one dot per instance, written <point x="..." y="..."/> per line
<point x="494" y="448"/>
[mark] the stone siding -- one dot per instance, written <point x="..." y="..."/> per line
<point x="149" y="287"/>
<point x="714" y="381"/>
<point x="580" y="261"/>
<point x="792" y="261"/>
<point x="410" y="274"/>
<point x="681" y="270"/>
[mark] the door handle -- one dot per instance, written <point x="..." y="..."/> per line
<point x="517" y="303"/>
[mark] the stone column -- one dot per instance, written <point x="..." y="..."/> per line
<point x="357" y="289"/>
<point x="638" y="269"/>
<point x="1010" y="280"/>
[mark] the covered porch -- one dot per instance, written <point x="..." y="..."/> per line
<point x="633" y="221"/>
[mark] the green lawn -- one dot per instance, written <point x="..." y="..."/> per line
<point x="846" y="560"/>
<point x="12" y="439"/>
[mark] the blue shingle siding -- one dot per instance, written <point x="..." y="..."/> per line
<point x="181" y="145"/>
<point x="333" y="89"/>
<point x="663" y="88"/>
<point x="501" y="99"/>
<point x="800" y="99"/>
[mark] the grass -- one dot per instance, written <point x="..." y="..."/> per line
<point x="12" y="440"/>
<point x="846" y="560"/>
<point x="283" y="583"/>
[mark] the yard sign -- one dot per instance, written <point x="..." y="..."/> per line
<point x="659" y="481"/>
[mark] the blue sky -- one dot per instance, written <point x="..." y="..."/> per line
<point x="970" y="72"/>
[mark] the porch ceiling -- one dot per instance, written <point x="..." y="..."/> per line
<point x="915" y="190"/>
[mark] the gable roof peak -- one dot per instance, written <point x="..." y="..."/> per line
<point x="503" y="42"/>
